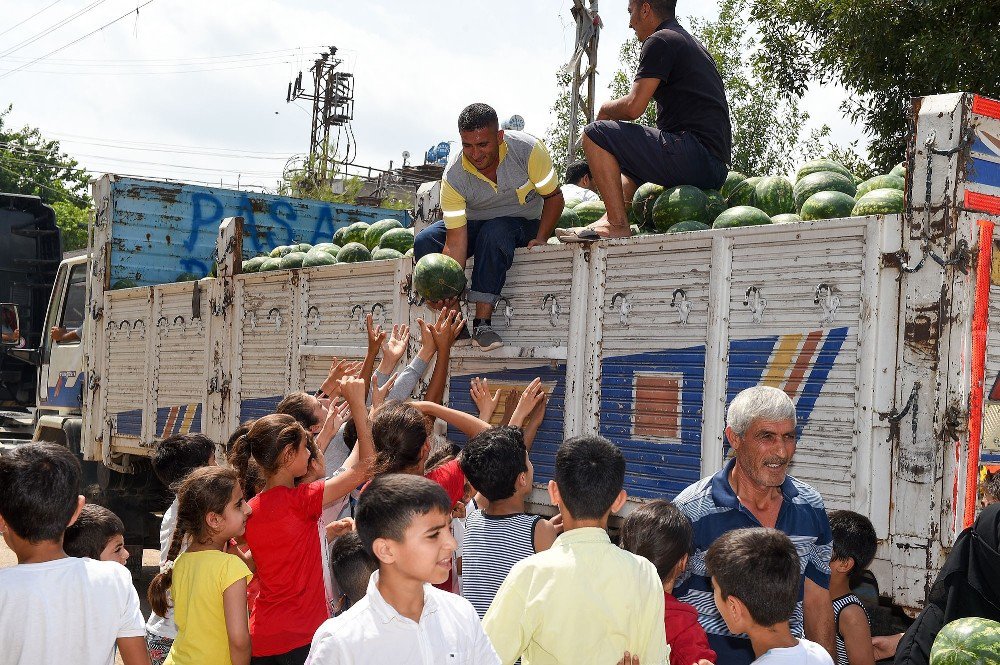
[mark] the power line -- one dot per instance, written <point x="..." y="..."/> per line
<point x="21" y="176"/>
<point x="56" y="2"/>
<point x="51" y="28"/>
<point x="82" y="72"/>
<point x="78" y="40"/>
<point x="284" y="156"/>
<point x="194" y="59"/>
<point x="102" y="158"/>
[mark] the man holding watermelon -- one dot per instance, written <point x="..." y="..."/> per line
<point x="499" y="193"/>
<point x="692" y="141"/>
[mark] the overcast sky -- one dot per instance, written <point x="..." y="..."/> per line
<point x="195" y="89"/>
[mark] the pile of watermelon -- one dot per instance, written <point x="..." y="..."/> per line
<point x="969" y="641"/>
<point x="384" y="239"/>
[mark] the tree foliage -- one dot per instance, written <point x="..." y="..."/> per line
<point x="557" y="136"/>
<point x="31" y="164"/>
<point x="883" y="52"/>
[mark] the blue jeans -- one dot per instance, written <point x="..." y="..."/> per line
<point x="491" y="243"/>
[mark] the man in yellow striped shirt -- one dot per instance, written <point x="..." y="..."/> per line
<point x="499" y="193"/>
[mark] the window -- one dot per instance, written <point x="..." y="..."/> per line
<point x="75" y="307"/>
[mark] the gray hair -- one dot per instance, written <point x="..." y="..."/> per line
<point x="759" y="403"/>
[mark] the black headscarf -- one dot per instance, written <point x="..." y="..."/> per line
<point x="967" y="586"/>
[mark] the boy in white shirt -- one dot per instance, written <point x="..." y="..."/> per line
<point x="755" y="578"/>
<point x="55" y="608"/>
<point x="404" y="520"/>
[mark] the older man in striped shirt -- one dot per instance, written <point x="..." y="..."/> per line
<point x="753" y="490"/>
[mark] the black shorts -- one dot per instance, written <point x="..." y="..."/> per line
<point x="646" y="154"/>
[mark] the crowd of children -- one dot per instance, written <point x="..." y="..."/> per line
<point x="331" y="535"/>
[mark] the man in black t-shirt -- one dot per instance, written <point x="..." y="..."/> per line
<point x="692" y="141"/>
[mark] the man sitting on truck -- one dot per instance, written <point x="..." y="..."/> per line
<point x="754" y="490"/>
<point x="692" y="141"/>
<point x="499" y="193"/>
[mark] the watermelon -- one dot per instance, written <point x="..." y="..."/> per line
<point x="775" y="195"/>
<point x="789" y="218"/>
<point x="292" y="260"/>
<point x="690" y="225"/>
<point x="253" y="265"/>
<point x="641" y="212"/>
<point x="827" y="205"/>
<point x="304" y="247"/>
<point x="679" y="204"/>
<point x="124" y="283"/>
<point x="354" y="233"/>
<point x="328" y="247"/>
<point x="353" y="252"/>
<point x="568" y="219"/>
<point x="271" y="263"/>
<point x="338" y="237"/>
<point x="186" y="277"/>
<point x="716" y="204"/>
<point x="744" y="194"/>
<point x="741" y="216"/>
<point x="899" y="170"/>
<point x="281" y="250"/>
<point x="881" y="182"/>
<point x="590" y="211"/>
<point x="732" y="181"/>
<point x="386" y="254"/>
<point x="318" y="257"/>
<point x="823" y="181"/>
<point x="819" y="165"/>
<point x="969" y="641"/>
<point x="408" y="252"/>
<point x="374" y="232"/>
<point x="397" y="239"/>
<point x="886" y="201"/>
<point x="437" y="277"/>
<point x="573" y="202"/>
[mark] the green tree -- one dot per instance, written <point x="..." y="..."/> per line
<point x="31" y="164"/>
<point x="884" y="53"/>
<point x="557" y="136"/>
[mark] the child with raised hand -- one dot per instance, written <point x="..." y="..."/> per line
<point x="444" y="332"/>
<point x="854" y="546"/>
<point x="208" y="586"/>
<point x="403" y="523"/>
<point x="54" y="608"/>
<point x="97" y="534"/>
<point x="660" y="532"/>
<point x="283" y="534"/>
<point x="756" y="579"/>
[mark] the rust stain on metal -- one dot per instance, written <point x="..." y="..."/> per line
<point x="168" y="238"/>
<point x="258" y="205"/>
<point x="921" y="333"/>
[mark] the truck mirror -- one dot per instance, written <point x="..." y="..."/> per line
<point x="10" y="325"/>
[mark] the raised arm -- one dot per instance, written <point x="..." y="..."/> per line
<point x="466" y="422"/>
<point x="445" y="332"/>
<point x="357" y="468"/>
<point x="375" y="338"/>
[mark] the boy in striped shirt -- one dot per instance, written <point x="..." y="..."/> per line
<point x="496" y="464"/>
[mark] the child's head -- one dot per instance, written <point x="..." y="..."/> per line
<point x="178" y="455"/>
<point x="660" y="532"/>
<point x="589" y="476"/>
<point x="235" y="437"/>
<point x="350" y="434"/>
<point x="441" y="453"/>
<point x="97" y="534"/>
<point x="39" y="493"/>
<point x="401" y="437"/>
<point x="274" y="442"/>
<point x="210" y="509"/>
<point x="854" y="544"/>
<point x="403" y="521"/>
<point x="352" y="566"/>
<point x="306" y="409"/>
<point x="496" y="463"/>
<point x="756" y="577"/>
<point x="991" y="488"/>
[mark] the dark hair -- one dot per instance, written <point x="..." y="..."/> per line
<point x="478" y="116"/>
<point x="205" y="490"/>
<point x="991" y="485"/>
<point x="235" y="436"/>
<point x="176" y="456"/>
<point x="493" y="460"/>
<point x="760" y="567"/>
<point x="590" y="473"/>
<point x="657" y="531"/>
<point x="298" y="406"/>
<point x="441" y="453"/>
<point x="265" y="442"/>
<point x="350" y="434"/>
<point x="90" y="533"/>
<point x="853" y="538"/>
<point x="351" y="565"/>
<point x="576" y="171"/>
<point x="400" y="432"/>
<point x="39" y="490"/>
<point x="664" y="9"/>
<point x="390" y="503"/>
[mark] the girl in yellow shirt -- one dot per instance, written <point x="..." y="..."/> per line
<point x="208" y="585"/>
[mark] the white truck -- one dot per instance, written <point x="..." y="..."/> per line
<point x="879" y="328"/>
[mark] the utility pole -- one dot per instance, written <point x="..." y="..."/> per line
<point x="588" y="30"/>
<point x="333" y="106"/>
